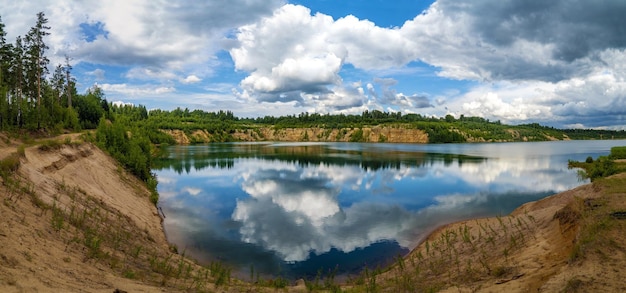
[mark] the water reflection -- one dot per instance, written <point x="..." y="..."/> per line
<point x="294" y="208"/>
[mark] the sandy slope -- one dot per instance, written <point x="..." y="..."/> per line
<point x="34" y="257"/>
<point x="531" y="250"/>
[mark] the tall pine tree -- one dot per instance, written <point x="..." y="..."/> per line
<point x="38" y="62"/>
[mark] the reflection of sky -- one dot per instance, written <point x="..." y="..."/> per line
<point x="261" y="212"/>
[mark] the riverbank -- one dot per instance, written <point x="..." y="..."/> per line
<point x="73" y="220"/>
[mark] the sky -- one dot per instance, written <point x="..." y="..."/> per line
<point x="558" y="63"/>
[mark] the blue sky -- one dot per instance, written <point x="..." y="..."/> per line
<point x="550" y="62"/>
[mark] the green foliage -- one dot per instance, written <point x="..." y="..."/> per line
<point x="441" y="133"/>
<point x="220" y="272"/>
<point x="9" y="165"/>
<point x="89" y="108"/>
<point x="602" y="167"/>
<point x="129" y="146"/>
<point x="50" y="144"/>
<point x="357" y="136"/>
<point x="618" y="153"/>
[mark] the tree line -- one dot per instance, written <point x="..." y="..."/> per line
<point x="33" y="99"/>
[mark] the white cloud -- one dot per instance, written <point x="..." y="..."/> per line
<point x="129" y="90"/>
<point x="191" y="79"/>
<point x="163" y="36"/>
<point x="143" y="73"/>
<point x="524" y="75"/>
<point x="98" y="74"/>
<point x="122" y="103"/>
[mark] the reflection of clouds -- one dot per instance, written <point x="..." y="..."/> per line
<point x="192" y="190"/>
<point x="529" y="175"/>
<point x="293" y="215"/>
<point x="164" y="179"/>
<point x="295" y="211"/>
<point x="350" y="176"/>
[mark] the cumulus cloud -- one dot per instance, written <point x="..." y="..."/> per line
<point x="527" y="52"/>
<point x="191" y="79"/>
<point x="389" y="95"/>
<point x="309" y="53"/>
<point x="508" y="40"/>
<point x="149" y="34"/>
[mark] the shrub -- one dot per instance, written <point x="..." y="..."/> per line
<point x="601" y="167"/>
<point x="9" y="164"/>
<point x="618" y="152"/>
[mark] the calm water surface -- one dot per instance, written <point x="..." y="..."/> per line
<point x="291" y="209"/>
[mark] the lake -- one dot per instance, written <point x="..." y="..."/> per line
<point x="293" y="209"/>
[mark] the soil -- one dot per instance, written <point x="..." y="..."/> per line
<point x="568" y="242"/>
<point x="369" y="134"/>
<point x="34" y="257"/>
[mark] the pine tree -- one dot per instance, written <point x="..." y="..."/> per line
<point x="4" y="102"/>
<point x="71" y="82"/>
<point x="16" y="77"/>
<point x="38" y="62"/>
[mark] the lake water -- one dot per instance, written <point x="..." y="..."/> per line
<point x="293" y="209"/>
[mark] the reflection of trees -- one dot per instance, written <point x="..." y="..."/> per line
<point x="223" y="156"/>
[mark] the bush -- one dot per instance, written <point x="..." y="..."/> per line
<point x="589" y="160"/>
<point x="9" y="164"/>
<point x="357" y="136"/>
<point x="602" y="167"/>
<point x="618" y="152"/>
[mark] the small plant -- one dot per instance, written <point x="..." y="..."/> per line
<point x="58" y="218"/>
<point x="9" y="165"/>
<point x="92" y="241"/>
<point x="501" y="271"/>
<point x="136" y="251"/>
<point x="573" y="285"/>
<point x="21" y="151"/>
<point x="129" y="274"/>
<point x="49" y="145"/>
<point x="220" y="272"/>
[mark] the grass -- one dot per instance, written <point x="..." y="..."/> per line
<point x="439" y="261"/>
<point x="9" y="165"/>
<point x="87" y="226"/>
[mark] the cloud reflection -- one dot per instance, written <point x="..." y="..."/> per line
<point x="294" y="215"/>
<point x="296" y="211"/>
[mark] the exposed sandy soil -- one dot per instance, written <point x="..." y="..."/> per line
<point x="34" y="256"/>
<point x="568" y="242"/>
<point x="370" y="134"/>
<point x="72" y="220"/>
